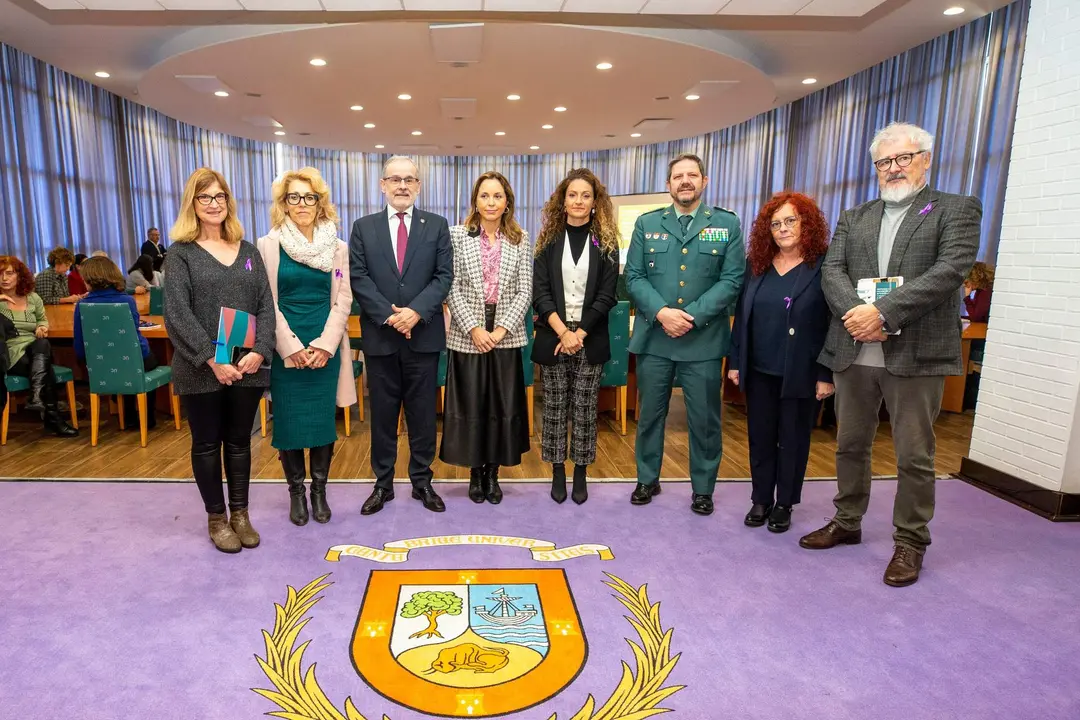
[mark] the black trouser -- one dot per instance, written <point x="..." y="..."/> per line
<point x="408" y="378"/>
<point x="131" y="409"/>
<point x="779" y="431"/>
<point x="223" y="418"/>
<point x="42" y="348"/>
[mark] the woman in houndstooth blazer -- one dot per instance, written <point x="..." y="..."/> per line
<point x="485" y="422"/>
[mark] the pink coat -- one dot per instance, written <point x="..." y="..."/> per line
<point x="335" y="336"/>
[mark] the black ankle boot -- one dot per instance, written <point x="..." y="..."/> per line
<point x="320" y="472"/>
<point x="57" y="425"/>
<point x="292" y="462"/>
<point x="558" y="482"/>
<point x="580" y="493"/>
<point x="492" y="492"/>
<point x="476" y="484"/>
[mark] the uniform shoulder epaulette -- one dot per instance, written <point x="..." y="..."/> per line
<point x="654" y="210"/>
<point x="727" y="210"/>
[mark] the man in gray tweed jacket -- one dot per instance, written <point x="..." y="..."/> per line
<point x="900" y="347"/>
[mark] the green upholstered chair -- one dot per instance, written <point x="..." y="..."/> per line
<point x="114" y="362"/>
<point x="529" y="366"/>
<point x="157" y="301"/>
<point x="617" y="368"/>
<point x="17" y="383"/>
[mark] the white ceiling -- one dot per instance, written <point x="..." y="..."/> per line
<point x="741" y="56"/>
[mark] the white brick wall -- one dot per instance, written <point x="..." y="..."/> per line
<point x="1026" y="423"/>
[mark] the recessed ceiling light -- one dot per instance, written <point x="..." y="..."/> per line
<point x="513" y="97"/>
<point x="500" y="133"/>
<point x="809" y="81"/>
<point x="604" y="66"/>
<point x="635" y="134"/>
<point x="954" y="10"/>
<point x="417" y="132"/>
<point x="404" y="96"/>
<point x="560" y="109"/>
<point x="534" y="147"/>
<point x="379" y="147"/>
<point x="369" y="125"/>
<point x="102" y="74"/>
<point x="279" y="132"/>
<point x="221" y="93"/>
<point x="317" y="62"/>
<point x="547" y="127"/>
<point x="693" y="97"/>
<point x="356" y="108"/>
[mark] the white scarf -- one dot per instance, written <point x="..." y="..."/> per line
<point x="318" y="254"/>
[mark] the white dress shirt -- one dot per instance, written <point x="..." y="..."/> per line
<point x="575" y="277"/>
<point x="392" y="213"/>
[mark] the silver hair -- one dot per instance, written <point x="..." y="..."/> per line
<point x="395" y="158"/>
<point x="902" y="131"/>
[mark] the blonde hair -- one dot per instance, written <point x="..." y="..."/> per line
<point x="187" y="226"/>
<point x="325" y="209"/>
<point x="510" y="227"/>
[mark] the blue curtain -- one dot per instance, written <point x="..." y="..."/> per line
<point x="83" y="168"/>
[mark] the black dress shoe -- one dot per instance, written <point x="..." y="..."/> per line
<point x="780" y="519"/>
<point x="375" y="502"/>
<point x="702" y="504"/>
<point x="643" y="494"/>
<point x="758" y="515"/>
<point x="430" y="498"/>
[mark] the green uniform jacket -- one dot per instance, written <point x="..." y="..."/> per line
<point x="701" y="275"/>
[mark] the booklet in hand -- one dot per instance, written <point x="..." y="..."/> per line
<point x="236" y="336"/>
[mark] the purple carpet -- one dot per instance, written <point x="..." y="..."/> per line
<point x="117" y="606"/>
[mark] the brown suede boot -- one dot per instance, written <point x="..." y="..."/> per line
<point x="241" y="525"/>
<point x="223" y="536"/>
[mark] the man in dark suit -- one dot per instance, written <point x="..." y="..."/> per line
<point x="402" y="265"/>
<point x="900" y="347"/>
<point x="153" y="248"/>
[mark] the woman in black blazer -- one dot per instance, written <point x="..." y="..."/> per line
<point x="780" y="324"/>
<point x="574" y="277"/>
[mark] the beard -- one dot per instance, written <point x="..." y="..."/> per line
<point x="686" y="203"/>
<point x="899" y="192"/>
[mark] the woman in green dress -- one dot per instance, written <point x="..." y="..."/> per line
<point x="311" y="374"/>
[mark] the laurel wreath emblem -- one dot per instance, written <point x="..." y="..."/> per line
<point x="297" y="692"/>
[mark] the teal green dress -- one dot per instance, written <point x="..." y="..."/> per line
<point x="305" y="400"/>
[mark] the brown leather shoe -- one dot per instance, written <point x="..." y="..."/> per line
<point x="225" y="539"/>
<point x="241" y="525"/>
<point x="830" y="536"/>
<point x="903" y="569"/>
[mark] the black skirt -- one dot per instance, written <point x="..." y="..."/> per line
<point x="486" y="418"/>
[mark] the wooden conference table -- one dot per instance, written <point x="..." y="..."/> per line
<point x="61" y="326"/>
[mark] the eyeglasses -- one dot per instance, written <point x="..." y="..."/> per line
<point x="394" y="181"/>
<point x="788" y="222"/>
<point x="220" y="198"/>
<point x="308" y="199"/>
<point x="902" y="160"/>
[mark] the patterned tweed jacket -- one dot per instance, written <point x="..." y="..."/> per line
<point x="466" y="299"/>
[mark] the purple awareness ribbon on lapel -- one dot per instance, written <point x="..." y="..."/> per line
<point x="928" y="208"/>
<point x="247" y="265"/>
<point x="787" y="302"/>
<point x="337" y="273"/>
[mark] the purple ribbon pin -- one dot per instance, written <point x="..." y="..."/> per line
<point x="928" y="208"/>
<point x="787" y="302"/>
<point x="594" y="241"/>
<point x="337" y="273"/>
<point x="247" y="265"/>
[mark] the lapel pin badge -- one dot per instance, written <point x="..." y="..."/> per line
<point x="247" y="265"/>
<point x="928" y="208"/>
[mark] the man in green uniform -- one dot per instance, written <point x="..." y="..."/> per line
<point x="684" y="271"/>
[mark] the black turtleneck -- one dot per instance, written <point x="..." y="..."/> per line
<point x="578" y="237"/>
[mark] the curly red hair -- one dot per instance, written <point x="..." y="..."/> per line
<point x="25" y="285"/>
<point x="813" y="236"/>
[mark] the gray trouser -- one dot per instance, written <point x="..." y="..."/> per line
<point x="913" y="404"/>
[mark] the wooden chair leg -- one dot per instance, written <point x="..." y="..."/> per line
<point x="174" y="401"/>
<point x="530" y="398"/>
<point x="360" y="395"/>
<point x="71" y="404"/>
<point x="622" y="408"/>
<point x="95" y="416"/>
<point x="401" y="421"/>
<point x="140" y="399"/>
<point x="120" y="410"/>
<point x="348" y="422"/>
<point x="262" y="414"/>
<point x="4" y="422"/>
<point x="442" y="400"/>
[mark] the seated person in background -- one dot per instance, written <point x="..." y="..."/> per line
<point x="7" y="332"/>
<point x="51" y="283"/>
<point x="76" y="286"/>
<point x="978" y="287"/>
<point x="99" y="253"/>
<point x="106" y="285"/>
<point x="29" y="352"/>
<point x="141" y="276"/>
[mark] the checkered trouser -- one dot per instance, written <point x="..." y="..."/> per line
<point x="572" y="382"/>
